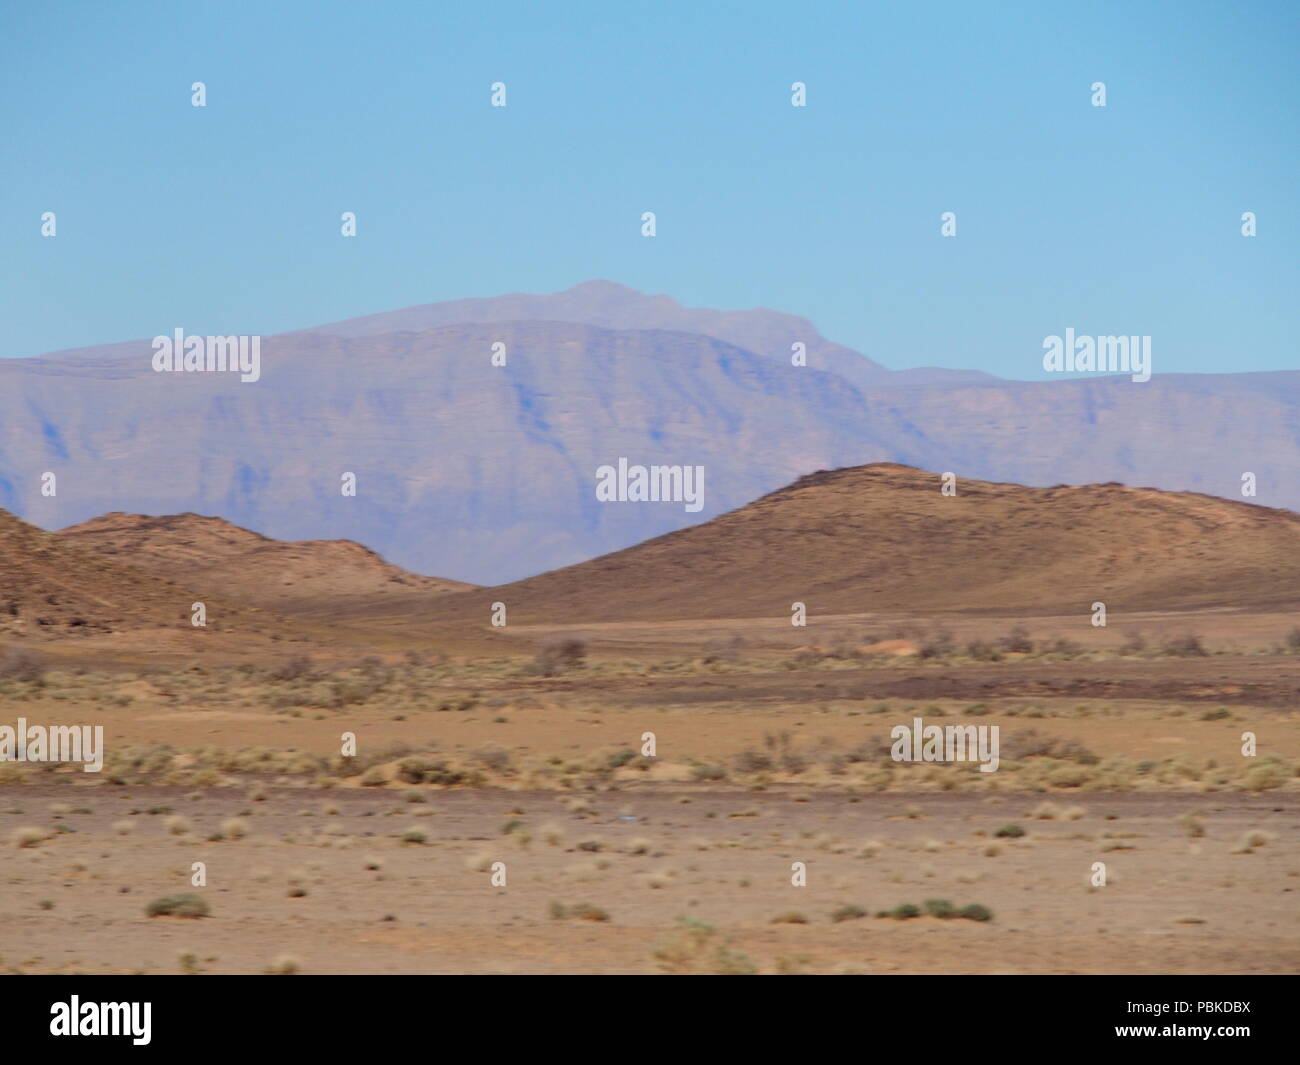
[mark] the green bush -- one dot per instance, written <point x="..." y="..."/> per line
<point x="187" y="904"/>
<point x="940" y="908"/>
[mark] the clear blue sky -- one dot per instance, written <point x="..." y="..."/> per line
<point x="226" y="219"/>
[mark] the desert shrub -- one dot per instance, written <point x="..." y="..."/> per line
<point x="904" y="912"/>
<point x="1187" y="646"/>
<point x="496" y="759"/>
<point x="352" y="692"/>
<point x="187" y="904"/>
<point x="868" y="751"/>
<point x="789" y="917"/>
<point x="976" y="912"/>
<point x="983" y="651"/>
<point x="750" y="761"/>
<point x="558" y="654"/>
<point x="808" y="656"/>
<point x="1010" y="832"/>
<point x="722" y="650"/>
<point x="1293" y="639"/>
<point x="618" y="759"/>
<point x="1255" y="838"/>
<point x="18" y="663"/>
<point x="937" y="643"/>
<point x="1017" y="642"/>
<point x="847" y="913"/>
<point x="940" y="908"/>
<point x="1069" y="777"/>
<point x="708" y="772"/>
<point x="1030" y="743"/>
<point x="234" y="828"/>
<point x="131" y="764"/>
<point x="696" y="948"/>
<point x="793" y="763"/>
<point x="1264" y="777"/>
<point x="293" y="668"/>
<point x="421" y="770"/>
<point x="28" y="836"/>
<point x="1134" y="642"/>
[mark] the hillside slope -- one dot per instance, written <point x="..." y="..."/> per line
<point x="883" y="538"/>
<point x="295" y="577"/>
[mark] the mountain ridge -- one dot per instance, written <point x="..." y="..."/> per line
<point x="485" y="474"/>
<point x="883" y="537"/>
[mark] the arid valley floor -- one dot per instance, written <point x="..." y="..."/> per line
<point x="677" y="863"/>
<point x="518" y="752"/>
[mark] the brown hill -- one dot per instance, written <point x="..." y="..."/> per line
<point x="50" y="588"/>
<point x="305" y="577"/>
<point x="882" y="538"/>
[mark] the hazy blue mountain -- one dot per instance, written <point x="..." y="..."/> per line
<point x="487" y="474"/>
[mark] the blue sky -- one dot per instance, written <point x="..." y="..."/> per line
<point x="1123" y="219"/>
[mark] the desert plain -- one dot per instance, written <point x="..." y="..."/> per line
<point x="372" y="777"/>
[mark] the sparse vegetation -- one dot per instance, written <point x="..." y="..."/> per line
<point x="559" y="654"/>
<point x="1186" y="646"/>
<point x="581" y="911"/>
<point x="186" y="904"/>
<point x="28" y="836"/>
<point x="18" y="663"/>
<point x="698" y="948"/>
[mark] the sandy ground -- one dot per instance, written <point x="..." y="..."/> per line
<point x="322" y="874"/>
<point x="647" y="857"/>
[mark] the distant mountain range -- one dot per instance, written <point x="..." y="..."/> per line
<point x="487" y="474"/>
